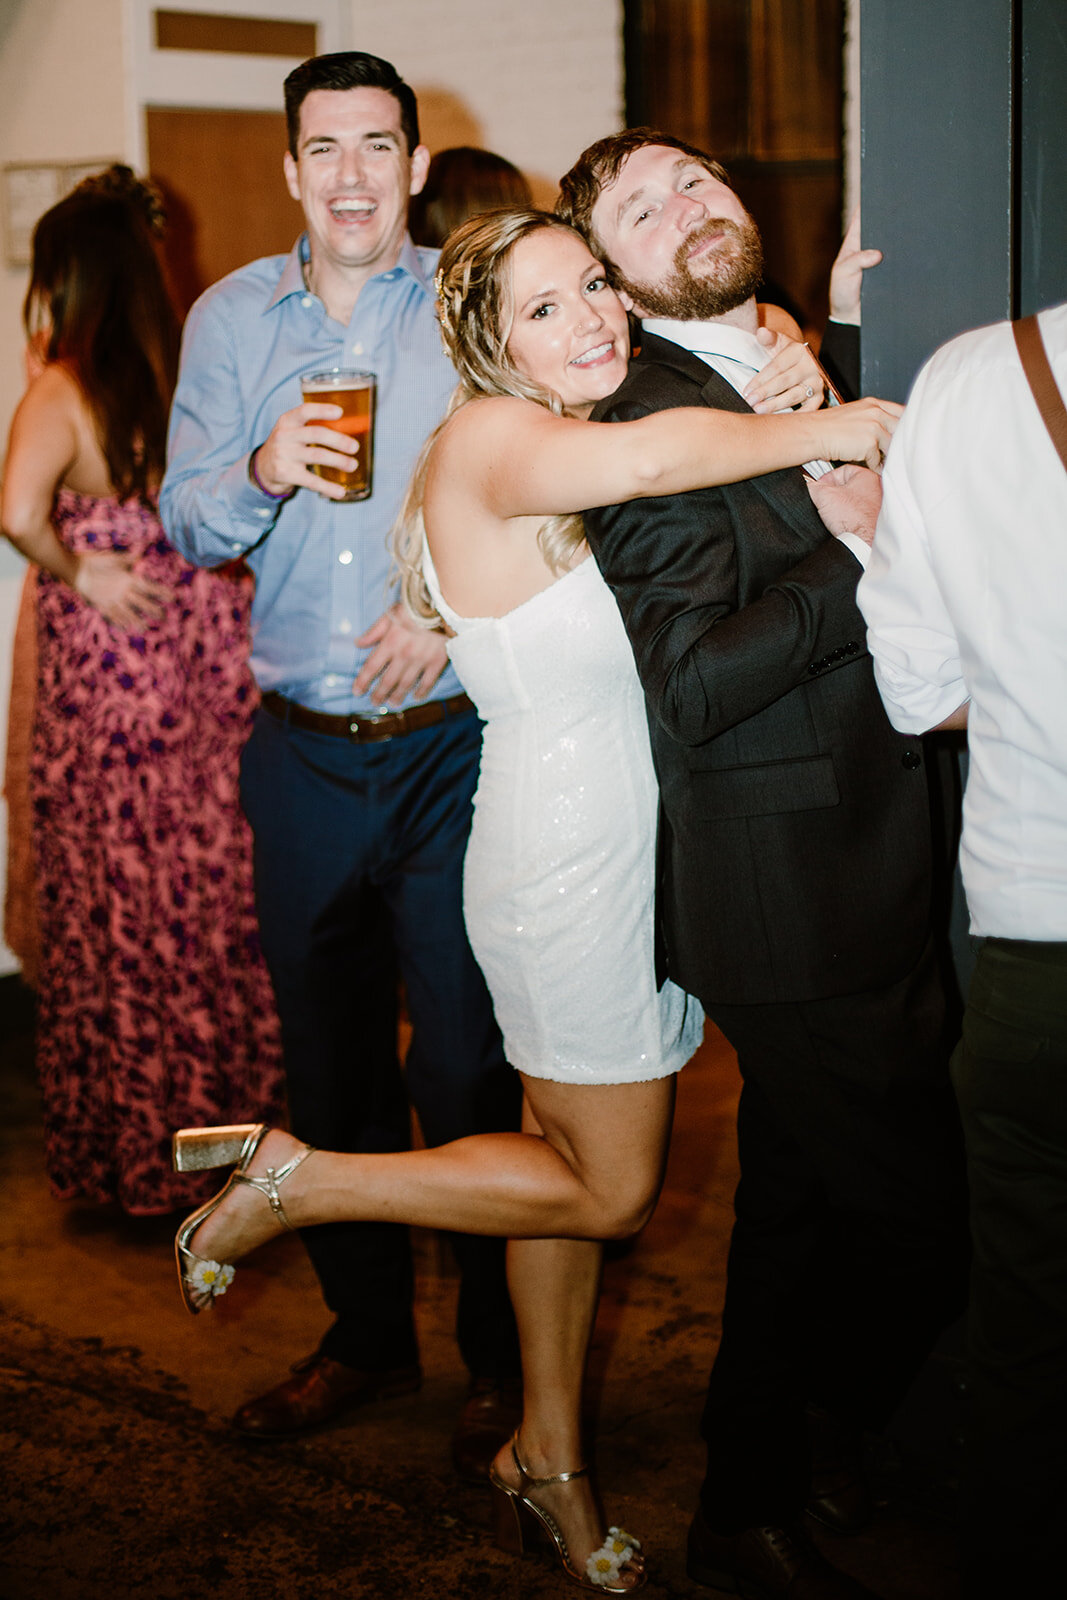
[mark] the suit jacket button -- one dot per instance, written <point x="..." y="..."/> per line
<point x="851" y="648"/>
<point x="816" y="666"/>
<point x="911" y="759"/>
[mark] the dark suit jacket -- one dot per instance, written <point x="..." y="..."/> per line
<point x="840" y="356"/>
<point x="794" y="827"/>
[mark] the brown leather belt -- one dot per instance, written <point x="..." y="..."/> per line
<point x="366" y="730"/>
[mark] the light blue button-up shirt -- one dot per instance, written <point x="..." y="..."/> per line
<point x="321" y="568"/>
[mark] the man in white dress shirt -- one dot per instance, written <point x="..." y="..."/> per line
<point x="793" y="899"/>
<point x="966" y="600"/>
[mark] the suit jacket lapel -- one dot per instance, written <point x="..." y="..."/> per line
<point x="784" y="490"/>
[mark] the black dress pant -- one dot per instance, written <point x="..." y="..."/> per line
<point x="848" y="1255"/>
<point x="1010" y="1072"/>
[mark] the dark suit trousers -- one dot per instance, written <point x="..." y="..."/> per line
<point x="848" y="1254"/>
<point x="1010" y="1072"/>
<point x="358" y="866"/>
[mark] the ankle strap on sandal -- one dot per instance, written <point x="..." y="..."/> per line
<point x="540" y="1483"/>
<point x="272" y="1180"/>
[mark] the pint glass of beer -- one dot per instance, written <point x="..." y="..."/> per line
<point x="354" y="392"/>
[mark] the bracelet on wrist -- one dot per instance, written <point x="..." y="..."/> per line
<point x="258" y="481"/>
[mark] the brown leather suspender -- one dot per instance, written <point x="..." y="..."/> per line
<point x="1039" y="375"/>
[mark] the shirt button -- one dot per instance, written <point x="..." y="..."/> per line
<point x="344" y="626"/>
<point x="910" y="760"/>
<point x="306" y="300"/>
<point x="345" y="558"/>
<point x="357" y="349"/>
<point x="263" y="512"/>
<point x="236" y="548"/>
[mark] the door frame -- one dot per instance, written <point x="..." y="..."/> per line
<point x="209" y="79"/>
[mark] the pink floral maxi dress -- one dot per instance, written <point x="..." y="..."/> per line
<point x="155" y="1009"/>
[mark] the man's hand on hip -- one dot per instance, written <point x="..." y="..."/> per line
<point x="405" y="658"/>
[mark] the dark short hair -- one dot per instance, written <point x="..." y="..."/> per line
<point x="599" y="166"/>
<point x="348" y="69"/>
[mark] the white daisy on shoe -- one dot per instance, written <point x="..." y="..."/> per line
<point x="604" y="1564"/>
<point x="210" y="1277"/>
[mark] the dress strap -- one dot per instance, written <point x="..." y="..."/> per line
<point x="429" y="572"/>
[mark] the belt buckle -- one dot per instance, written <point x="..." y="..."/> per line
<point x="360" y="728"/>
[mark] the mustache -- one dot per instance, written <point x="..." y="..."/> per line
<point x="724" y="225"/>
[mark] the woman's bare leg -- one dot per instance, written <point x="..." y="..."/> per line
<point x="594" y="1173"/>
<point x="555" y="1285"/>
<point x="588" y="1165"/>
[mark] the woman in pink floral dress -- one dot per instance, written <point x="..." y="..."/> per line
<point x="154" y="1007"/>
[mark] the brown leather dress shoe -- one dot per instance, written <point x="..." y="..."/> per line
<point x="767" y="1564"/>
<point x="492" y="1412"/>
<point x="319" y="1391"/>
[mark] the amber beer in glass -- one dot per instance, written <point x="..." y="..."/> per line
<point x="354" y="392"/>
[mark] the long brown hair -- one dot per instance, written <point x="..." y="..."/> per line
<point x="98" y="304"/>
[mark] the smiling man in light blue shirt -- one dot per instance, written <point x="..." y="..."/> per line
<point x="359" y="773"/>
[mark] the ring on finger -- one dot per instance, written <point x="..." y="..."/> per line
<point x="808" y="392"/>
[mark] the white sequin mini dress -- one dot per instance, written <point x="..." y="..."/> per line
<point x="559" y="873"/>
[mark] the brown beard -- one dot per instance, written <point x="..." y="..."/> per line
<point x="732" y="277"/>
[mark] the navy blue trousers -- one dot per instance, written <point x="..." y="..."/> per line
<point x="358" y="871"/>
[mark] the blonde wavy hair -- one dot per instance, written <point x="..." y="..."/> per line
<point x="475" y="314"/>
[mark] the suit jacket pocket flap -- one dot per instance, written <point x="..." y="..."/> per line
<point x="808" y="784"/>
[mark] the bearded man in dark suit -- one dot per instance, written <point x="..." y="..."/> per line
<point x="794" y="895"/>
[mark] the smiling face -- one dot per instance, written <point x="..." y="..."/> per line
<point x="680" y="242"/>
<point x="569" y="331"/>
<point x="353" y="176"/>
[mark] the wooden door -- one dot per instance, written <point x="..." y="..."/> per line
<point x="221" y="174"/>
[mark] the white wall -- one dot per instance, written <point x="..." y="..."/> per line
<point x="535" y="81"/>
<point x="62" y="98"/>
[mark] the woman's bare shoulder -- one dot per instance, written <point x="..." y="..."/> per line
<point x="52" y="400"/>
<point x="54" y="389"/>
<point x="488" y="418"/>
<point x="55" y="427"/>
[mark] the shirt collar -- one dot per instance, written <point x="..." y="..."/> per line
<point x="420" y="264"/>
<point x="711" y="338"/>
<point x="410" y="261"/>
<point x="292" y="275"/>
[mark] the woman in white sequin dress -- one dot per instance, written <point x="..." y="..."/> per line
<point x="559" y="882"/>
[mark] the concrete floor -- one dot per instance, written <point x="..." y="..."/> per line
<point x="122" y="1477"/>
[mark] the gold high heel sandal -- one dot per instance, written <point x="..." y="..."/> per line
<point x="197" y="1150"/>
<point x="519" y="1520"/>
